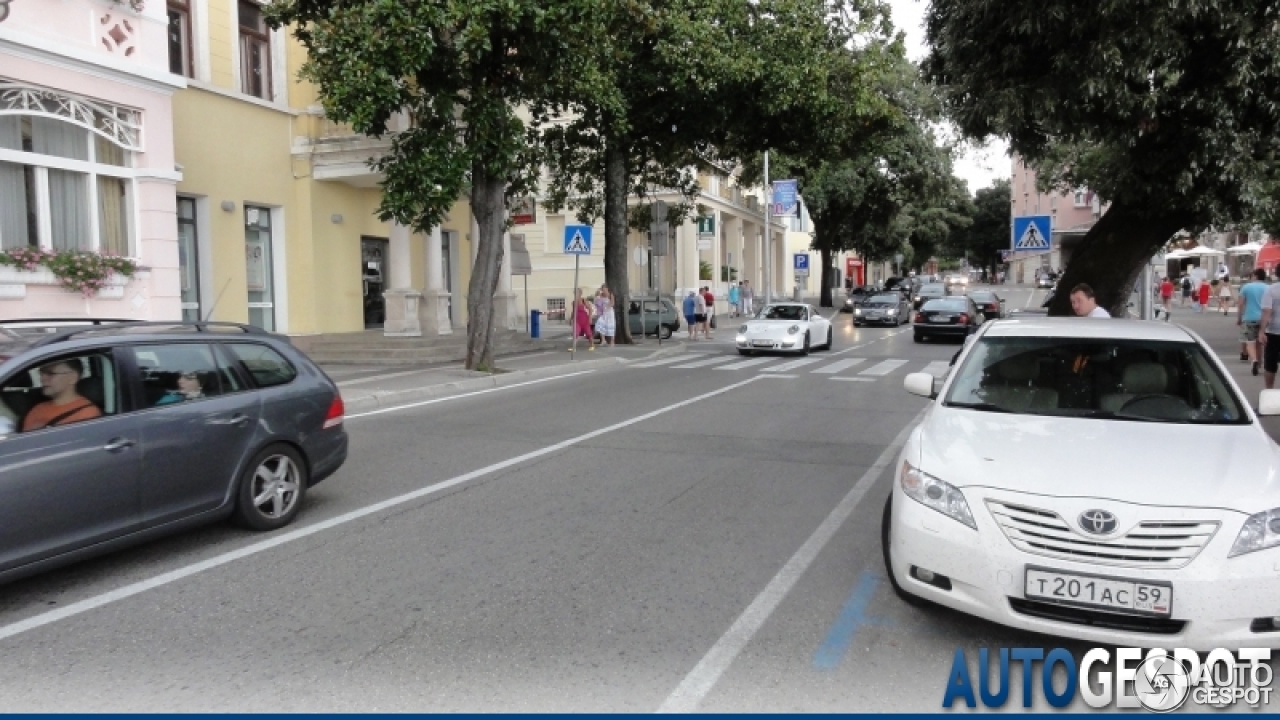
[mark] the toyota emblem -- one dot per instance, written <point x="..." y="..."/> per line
<point x="1097" y="522"/>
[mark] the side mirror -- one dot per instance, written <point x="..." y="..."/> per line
<point x="1269" y="402"/>
<point x="922" y="384"/>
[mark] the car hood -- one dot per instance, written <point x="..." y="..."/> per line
<point x="1221" y="466"/>
<point x="754" y="325"/>
<point x="880" y="305"/>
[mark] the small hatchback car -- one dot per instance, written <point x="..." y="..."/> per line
<point x="111" y="434"/>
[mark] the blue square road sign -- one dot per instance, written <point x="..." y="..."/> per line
<point x="577" y="239"/>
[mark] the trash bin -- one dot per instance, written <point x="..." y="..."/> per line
<point x="535" y="324"/>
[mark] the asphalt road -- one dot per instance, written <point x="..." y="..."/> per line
<point x="633" y="539"/>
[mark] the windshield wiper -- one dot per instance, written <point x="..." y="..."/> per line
<point x="983" y="406"/>
<point x="1112" y="415"/>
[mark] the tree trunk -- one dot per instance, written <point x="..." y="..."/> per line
<point x="1111" y="256"/>
<point x="487" y="205"/>
<point x="825" y="299"/>
<point x="615" y="234"/>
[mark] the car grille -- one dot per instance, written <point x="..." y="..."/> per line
<point x="1152" y="544"/>
<point x="1094" y="618"/>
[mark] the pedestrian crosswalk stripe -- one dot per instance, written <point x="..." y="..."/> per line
<point x="665" y="360"/>
<point x="836" y="367"/>
<point x="854" y="379"/>
<point x="704" y="363"/>
<point x="938" y="368"/>
<point x="747" y="363"/>
<point x="884" y="367"/>
<point x="791" y="365"/>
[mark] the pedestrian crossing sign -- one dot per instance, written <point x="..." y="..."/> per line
<point x="1033" y="232"/>
<point x="577" y="240"/>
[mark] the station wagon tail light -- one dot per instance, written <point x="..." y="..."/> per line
<point x="333" y="418"/>
<point x="919" y="318"/>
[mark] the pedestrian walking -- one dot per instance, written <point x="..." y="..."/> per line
<point x="710" y="299"/>
<point x="1224" y="294"/>
<point x="1084" y="304"/>
<point x="1249" y="316"/>
<point x="1269" y="339"/>
<point x="606" y="323"/>
<point x="1166" y="297"/>
<point x="747" y="298"/>
<point x="1186" y="290"/>
<point x="700" y="314"/>
<point x="690" y="313"/>
<point x="734" y="308"/>
<point x="1202" y="295"/>
<point x="582" y="319"/>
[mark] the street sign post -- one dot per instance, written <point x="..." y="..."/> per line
<point x="1033" y="232"/>
<point x="800" y="262"/>
<point x="577" y="242"/>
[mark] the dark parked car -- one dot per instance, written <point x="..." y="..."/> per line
<point x="857" y="296"/>
<point x="927" y="292"/>
<point x="666" y="318"/>
<point x="112" y="434"/>
<point x="988" y="303"/>
<point x="889" y="308"/>
<point x="947" y="317"/>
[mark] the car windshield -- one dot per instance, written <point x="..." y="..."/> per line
<point x="945" y="306"/>
<point x="1134" y="380"/>
<point x="886" y="299"/>
<point x="933" y="290"/>
<point x="782" y="312"/>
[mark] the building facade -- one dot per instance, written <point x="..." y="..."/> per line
<point x="86" y="155"/>
<point x="1073" y="214"/>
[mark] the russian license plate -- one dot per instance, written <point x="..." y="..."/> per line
<point x="761" y="343"/>
<point x="1098" y="592"/>
<point x="940" y="319"/>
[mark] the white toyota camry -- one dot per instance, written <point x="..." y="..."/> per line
<point x="1094" y="479"/>
<point x="788" y="327"/>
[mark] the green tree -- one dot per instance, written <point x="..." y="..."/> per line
<point x="988" y="231"/>
<point x="697" y="80"/>
<point x="1167" y="109"/>
<point x="458" y="69"/>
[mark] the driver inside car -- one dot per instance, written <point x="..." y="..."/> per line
<point x="65" y="404"/>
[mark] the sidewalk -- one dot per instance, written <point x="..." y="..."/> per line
<point x="370" y="387"/>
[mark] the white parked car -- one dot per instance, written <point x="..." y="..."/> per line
<point x="785" y="327"/>
<point x="1094" y="479"/>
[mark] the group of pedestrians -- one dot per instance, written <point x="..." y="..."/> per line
<point x="1199" y="294"/>
<point x="596" y="314"/>
<point x="699" y="312"/>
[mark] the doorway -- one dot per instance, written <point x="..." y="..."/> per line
<point x="448" y="243"/>
<point x="373" y="268"/>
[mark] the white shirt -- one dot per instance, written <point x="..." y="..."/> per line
<point x="1098" y="312"/>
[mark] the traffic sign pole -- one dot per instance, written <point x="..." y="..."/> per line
<point x="768" y="234"/>
<point x="574" y="324"/>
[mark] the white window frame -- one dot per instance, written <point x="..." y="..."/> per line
<point x="275" y="55"/>
<point x="44" y="163"/>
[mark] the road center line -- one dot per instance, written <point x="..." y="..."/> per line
<point x="83" y="606"/>
<point x="699" y="682"/>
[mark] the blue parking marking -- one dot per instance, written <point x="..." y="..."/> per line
<point x="852" y="617"/>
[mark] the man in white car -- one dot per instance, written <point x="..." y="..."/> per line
<point x="1083" y="303"/>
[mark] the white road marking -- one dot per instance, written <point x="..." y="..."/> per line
<point x="792" y="365"/>
<point x="853" y="379"/>
<point x="1030" y="297"/>
<point x="83" y="606"/>
<point x="666" y="360"/>
<point x="464" y="395"/>
<point x="747" y="363"/>
<point x="837" y="366"/>
<point x="884" y="367"/>
<point x="704" y="363"/>
<point x="777" y="376"/>
<point x="851" y="348"/>
<point x="937" y="368"/>
<point x="699" y="682"/>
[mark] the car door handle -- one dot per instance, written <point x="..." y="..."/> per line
<point x="236" y="419"/>
<point x="118" y="444"/>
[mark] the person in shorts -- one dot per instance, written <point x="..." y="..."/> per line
<point x="1269" y="338"/>
<point x="690" y="319"/>
<point x="1249" y="315"/>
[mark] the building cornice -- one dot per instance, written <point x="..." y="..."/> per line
<point x="26" y="45"/>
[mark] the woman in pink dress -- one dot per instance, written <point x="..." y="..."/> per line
<point x="582" y="319"/>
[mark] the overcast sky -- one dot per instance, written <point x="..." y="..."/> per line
<point x="978" y="166"/>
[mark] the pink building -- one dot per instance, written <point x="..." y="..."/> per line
<point x="1073" y="214"/>
<point x="86" y="153"/>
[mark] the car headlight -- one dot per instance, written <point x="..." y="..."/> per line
<point x="893" y="311"/>
<point x="917" y="298"/>
<point x="793" y="329"/>
<point x="935" y="494"/>
<point x="1260" y="532"/>
<point x="847" y="301"/>
<point x="743" y="329"/>
<point x="857" y="311"/>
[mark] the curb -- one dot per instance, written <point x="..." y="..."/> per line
<point x="382" y="400"/>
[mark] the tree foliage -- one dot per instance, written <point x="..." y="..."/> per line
<point x="987" y="232"/>
<point x="1170" y="110"/>
<point x="458" y="69"/>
